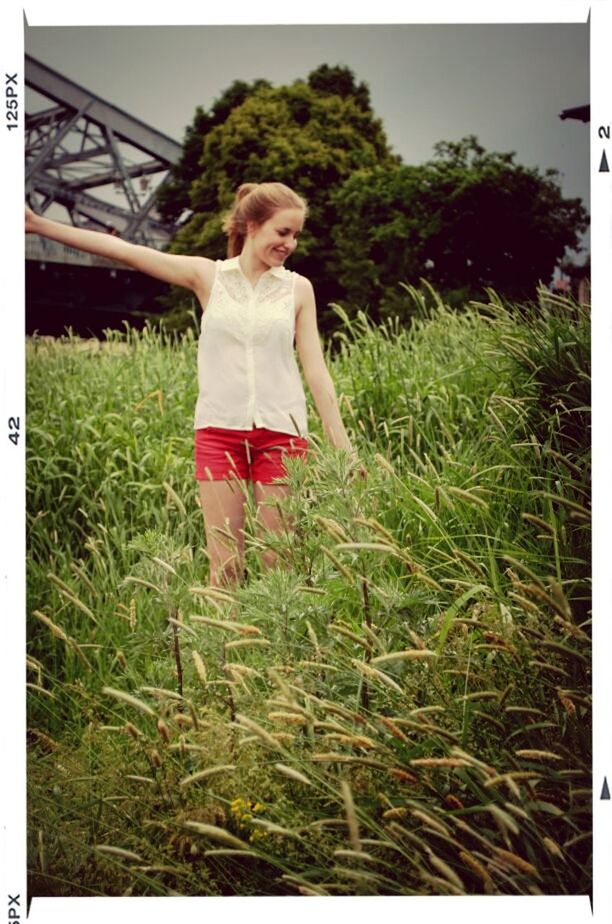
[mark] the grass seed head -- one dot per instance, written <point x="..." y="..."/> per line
<point x="163" y="730"/>
<point x="129" y="700"/>
<point x="351" y="815"/>
<point x="479" y="869"/>
<point x="509" y="858"/>
<point x="199" y="666"/>
<point x="290" y="718"/>
<point x="55" y="629"/>
<point x="118" y="852"/>
<point x="293" y="774"/>
<point x="207" y="774"/>
<point x="121" y="660"/>
<point x="216" y="834"/>
<point x="131" y="730"/>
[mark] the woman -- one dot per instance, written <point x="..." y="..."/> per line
<point x="251" y="408"/>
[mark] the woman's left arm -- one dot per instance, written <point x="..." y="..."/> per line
<point x="315" y="370"/>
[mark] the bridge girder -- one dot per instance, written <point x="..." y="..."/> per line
<point x="81" y="145"/>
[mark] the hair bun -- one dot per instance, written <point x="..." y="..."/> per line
<point x="244" y="189"/>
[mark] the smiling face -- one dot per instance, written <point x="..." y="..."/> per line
<point x="276" y="239"/>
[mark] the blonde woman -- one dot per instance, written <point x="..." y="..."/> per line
<point x="251" y="408"/>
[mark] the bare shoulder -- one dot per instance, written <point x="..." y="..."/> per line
<point x="304" y="293"/>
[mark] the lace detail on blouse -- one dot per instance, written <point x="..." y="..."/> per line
<point x="252" y="312"/>
<point x="271" y="286"/>
<point x="235" y="285"/>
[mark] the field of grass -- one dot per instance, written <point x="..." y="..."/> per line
<point x="402" y="708"/>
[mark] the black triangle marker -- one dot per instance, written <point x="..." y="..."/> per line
<point x="605" y="792"/>
<point x="603" y="167"/>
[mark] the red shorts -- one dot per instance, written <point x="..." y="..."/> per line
<point x="255" y="455"/>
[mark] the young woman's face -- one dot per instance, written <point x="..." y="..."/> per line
<point x="276" y="239"/>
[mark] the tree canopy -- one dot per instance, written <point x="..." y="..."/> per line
<point x="466" y="220"/>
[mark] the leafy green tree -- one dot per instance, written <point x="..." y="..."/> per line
<point x="339" y="81"/>
<point x="308" y="136"/>
<point x="466" y="220"/>
<point x="173" y="196"/>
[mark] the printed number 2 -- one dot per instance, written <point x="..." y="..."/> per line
<point x="14" y="427"/>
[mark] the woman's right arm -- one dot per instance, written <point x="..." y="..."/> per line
<point x="191" y="272"/>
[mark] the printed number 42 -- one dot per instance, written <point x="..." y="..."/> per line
<point x="14" y="430"/>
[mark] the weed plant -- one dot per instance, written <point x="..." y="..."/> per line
<point x="401" y="707"/>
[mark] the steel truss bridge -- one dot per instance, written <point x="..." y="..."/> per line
<point x="97" y="161"/>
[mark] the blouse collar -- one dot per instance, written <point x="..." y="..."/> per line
<point x="234" y="264"/>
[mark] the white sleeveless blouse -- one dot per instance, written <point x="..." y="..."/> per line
<point x="247" y="372"/>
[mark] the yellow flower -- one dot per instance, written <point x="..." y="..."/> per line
<point x="243" y="809"/>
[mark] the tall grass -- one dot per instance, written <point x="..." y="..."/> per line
<point x="402" y="708"/>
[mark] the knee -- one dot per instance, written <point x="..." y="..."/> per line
<point x="226" y="574"/>
<point x="269" y="559"/>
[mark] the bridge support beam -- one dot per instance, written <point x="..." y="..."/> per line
<point x="85" y="154"/>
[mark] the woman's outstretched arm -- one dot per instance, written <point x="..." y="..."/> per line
<point x="191" y="272"/>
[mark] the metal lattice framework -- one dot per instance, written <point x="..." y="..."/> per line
<point x="100" y="163"/>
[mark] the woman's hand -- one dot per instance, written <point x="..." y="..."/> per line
<point x="362" y="471"/>
<point x="359" y="469"/>
<point x="30" y="220"/>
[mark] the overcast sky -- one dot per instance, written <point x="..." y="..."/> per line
<point x="505" y="83"/>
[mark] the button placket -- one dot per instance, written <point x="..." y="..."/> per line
<point x="251" y="412"/>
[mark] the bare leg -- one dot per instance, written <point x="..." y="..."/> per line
<point x="223" y="508"/>
<point x="268" y="515"/>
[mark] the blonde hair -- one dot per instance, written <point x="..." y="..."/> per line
<point x="257" y="202"/>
